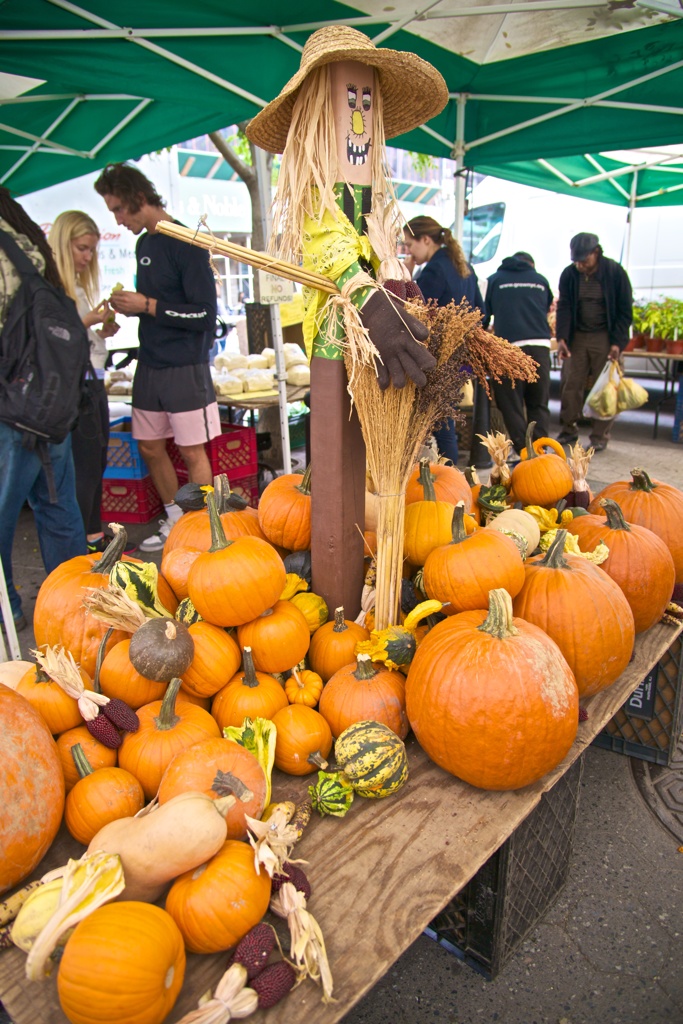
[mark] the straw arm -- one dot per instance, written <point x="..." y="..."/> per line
<point x="281" y="268"/>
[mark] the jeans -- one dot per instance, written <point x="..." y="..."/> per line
<point x="60" y="526"/>
<point x="526" y="402"/>
<point x="447" y="441"/>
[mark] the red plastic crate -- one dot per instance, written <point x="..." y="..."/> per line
<point x="130" y="501"/>
<point x="233" y="452"/>
<point x="247" y="488"/>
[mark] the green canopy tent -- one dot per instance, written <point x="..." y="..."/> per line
<point x="527" y="78"/>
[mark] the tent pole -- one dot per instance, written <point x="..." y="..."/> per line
<point x="264" y="194"/>
<point x="459" y="156"/>
<point x="629" y="221"/>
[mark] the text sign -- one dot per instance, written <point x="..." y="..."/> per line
<point x="641" y="703"/>
<point x="275" y="289"/>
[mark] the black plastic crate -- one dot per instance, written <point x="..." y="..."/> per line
<point x="648" y="725"/>
<point x="488" y="919"/>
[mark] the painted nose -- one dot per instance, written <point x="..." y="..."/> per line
<point x="357" y="123"/>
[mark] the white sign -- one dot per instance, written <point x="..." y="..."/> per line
<point x="275" y="289"/>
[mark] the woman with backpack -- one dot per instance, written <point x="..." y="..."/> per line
<point x="446" y="276"/>
<point x="74" y="238"/>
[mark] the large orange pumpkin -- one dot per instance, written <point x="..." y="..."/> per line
<point x="304" y="740"/>
<point x="99" y="797"/>
<point x="216" y="659"/>
<point x="639" y="561"/>
<point x="193" y="530"/>
<point x="541" y="479"/>
<point x="97" y="754"/>
<point x="652" y="504"/>
<point x="235" y="581"/>
<point x="583" y="610"/>
<point x="118" y="678"/>
<point x="59" y="616"/>
<point x="211" y="766"/>
<point x="284" y="511"/>
<point x="167" y="727"/>
<point x="124" y="962"/>
<point x="219" y="902"/>
<point x="364" y="692"/>
<point x="59" y="710"/>
<point x="449" y="485"/>
<point x="333" y="645"/>
<point x="462" y="573"/>
<point x="32" y="787"/>
<point x="279" y="638"/>
<point x="491" y="698"/>
<point x="249" y="694"/>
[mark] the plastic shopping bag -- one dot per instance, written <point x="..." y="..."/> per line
<point x="601" y="403"/>
<point x="630" y="394"/>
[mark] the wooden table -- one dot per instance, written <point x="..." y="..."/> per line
<point x="665" y="364"/>
<point x="378" y="876"/>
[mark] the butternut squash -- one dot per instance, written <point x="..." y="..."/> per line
<point x="162" y="843"/>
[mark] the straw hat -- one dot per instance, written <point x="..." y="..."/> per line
<point x="412" y="90"/>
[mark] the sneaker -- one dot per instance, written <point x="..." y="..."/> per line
<point x="567" y="438"/>
<point x="157" y="540"/>
<point x="19" y="624"/>
<point x="599" y="446"/>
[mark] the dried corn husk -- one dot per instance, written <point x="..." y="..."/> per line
<point x="498" y="446"/>
<point x="273" y="841"/>
<point x="307" y="945"/>
<point x="60" y="666"/>
<point x="112" y="606"/>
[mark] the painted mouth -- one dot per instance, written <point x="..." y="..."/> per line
<point x="357" y="154"/>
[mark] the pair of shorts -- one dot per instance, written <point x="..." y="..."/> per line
<point x="177" y="402"/>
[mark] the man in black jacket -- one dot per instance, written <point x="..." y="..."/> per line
<point x="594" y="313"/>
<point x="518" y="298"/>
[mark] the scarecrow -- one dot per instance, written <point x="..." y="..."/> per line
<point x="334" y="211"/>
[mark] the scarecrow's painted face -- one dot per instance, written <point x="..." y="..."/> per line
<point x="353" y="99"/>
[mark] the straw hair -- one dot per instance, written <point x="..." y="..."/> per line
<point x="68" y="226"/>
<point x="418" y="227"/>
<point x="413" y="90"/>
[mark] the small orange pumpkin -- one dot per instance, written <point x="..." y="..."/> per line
<point x="449" y="485"/>
<point x="304" y="687"/>
<point x="99" y="797"/>
<point x="427" y="522"/>
<point x="97" y="754"/>
<point x="284" y="511"/>
<point x="334" y="645"/>
<point x="304" y="740"/>
<point x="279" y="637"/>
<point x="249" y="694"/>
<point x="59" y="710"/>
<point x="118" y="678"/>
<point x="541" y="479"/>
<point x="365" y="692"/>
<point x="216" y="659"/>
<point x="175" y="568"/>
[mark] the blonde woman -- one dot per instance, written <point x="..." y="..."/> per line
<point x="74" y="238"/>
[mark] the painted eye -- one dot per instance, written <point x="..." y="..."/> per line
<point x="352" y="95"/>
<point x="367" y="99"/>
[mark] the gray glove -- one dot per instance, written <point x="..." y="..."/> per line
<point x="395" y="334"/>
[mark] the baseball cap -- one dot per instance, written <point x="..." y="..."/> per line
<point x="582" y="245"/>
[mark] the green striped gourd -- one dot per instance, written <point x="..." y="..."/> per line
<point x="332" y="794"/>
<point x="140" y="581"/>
<point x="187" y="613"/>
<point x="373" y="757"/>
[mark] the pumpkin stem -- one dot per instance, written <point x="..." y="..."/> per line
<point x="364" y="667"/>
<point x="554" y="556"/>
<point x="249" y="678"/>
<point x="615" y="517"/>
<point x="339" y="624"/>
<point x="224" y="803"/>
<point x="167" y="718"/>
<point x="226" y="783"/>
<point x="641" y="481"/>
<point x="101" y="650"/>
<point x="498" y="622"/>
<point x="318" y="760"/>
<point x="41" y="675"/>
<point x="83" y="766"/>
<point x="305" y="485"/>
<point x="427" y="481"/>
<point x="218" y="538"/>
<point x="531" y="451"/>
<point x="472" y="476"/>
<point x="113" y="553"/>
<point x="458" y="523"/>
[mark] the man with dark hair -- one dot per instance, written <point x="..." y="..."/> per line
<point x="518" y="299"/>
<point x="594" y="313"/>
<point x="173" y="393"/>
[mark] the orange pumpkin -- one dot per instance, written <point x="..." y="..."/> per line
<point x="97" y="754"/>
<point x="449" y="485"/>
<point x="249" y="694"/>
<point x="304" y="687"/>
<point x="166" y="728"/>
<point x="427" y="523"/>
<point x="219" y="767"/>
<point x="32" y="787"/>
<point x="304" y="740"/>
<point x="491" y="698"/>
<point x="190" y="698"/>
<point x="639" y="561"/>
<point x="365" y="692"/>
<point x="541" y="479"/>
<point x="236" y="580"/>
<point x="583" y="610"/>
<point x="284" y="511"/>
<point x="334" y="645"/>
<point x="99" y="797"/>
<point x="216" y="659"/>
<point x="118" y="678"/>
<point x="59" y="710"/>
<point x="652" y="504"/>
<point x="462" y="573"/>
<point x="193" y="530"/>
<point x="219" y="902"/>
<point x="278" y="638"/>
<point x="176" y="565"/>
<point x="124" y="962"/>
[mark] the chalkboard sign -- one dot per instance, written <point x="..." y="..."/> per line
<point x="641" y="703"/>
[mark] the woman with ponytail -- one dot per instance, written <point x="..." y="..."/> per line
<point x="446" y="276"/>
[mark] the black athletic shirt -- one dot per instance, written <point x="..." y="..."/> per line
<point x="179" y="277"/>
